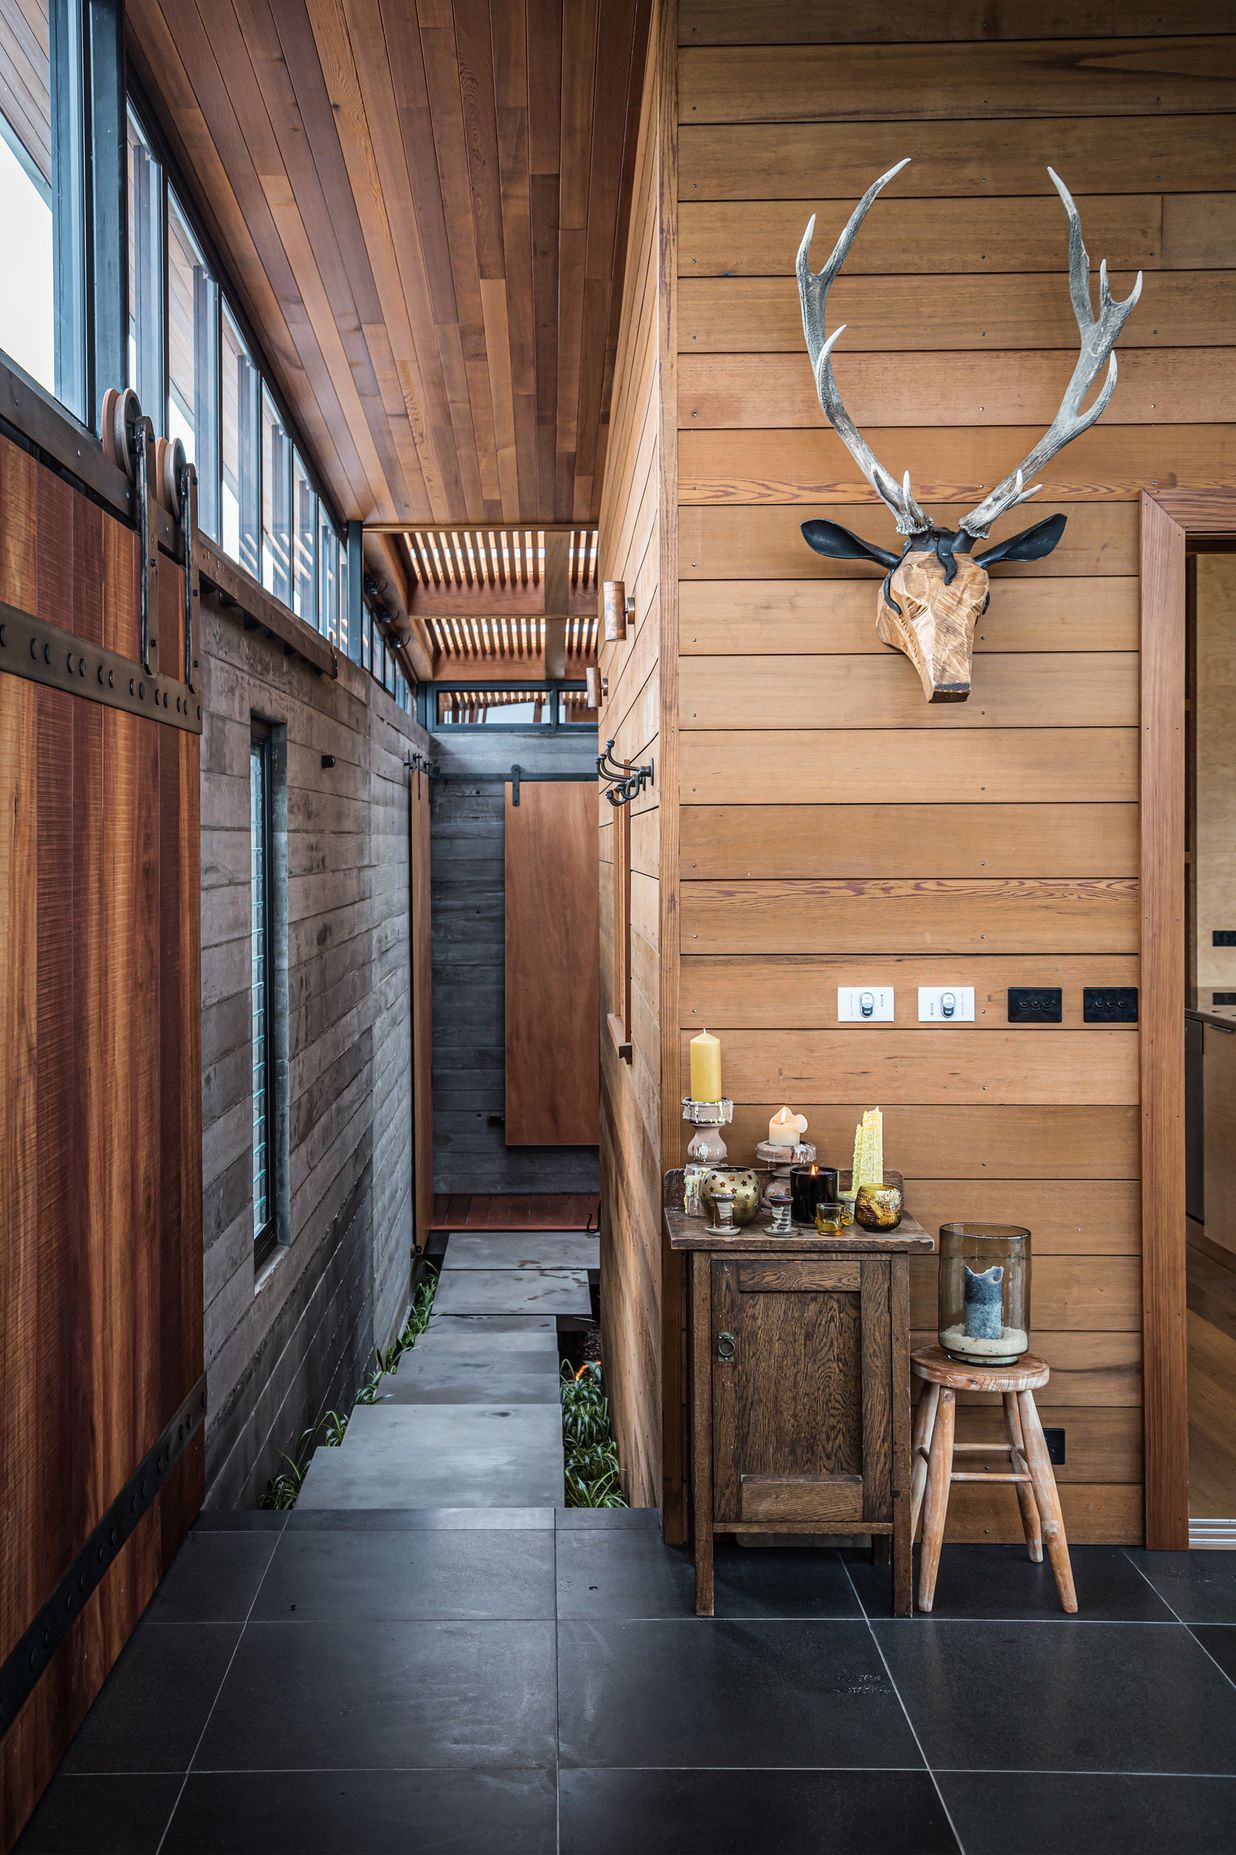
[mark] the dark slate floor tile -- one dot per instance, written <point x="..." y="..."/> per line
<point x="352" y="1694"/>
<point x="105" y="1816"/>
<point x="999" y="1582"/>
<point x="1062" y="1696"/>
<point x="155" y="1702"/>
<point x="1219" y="1640"/>
<point x="630" y="1573"/>
<point x="377" y="1812"/>
<point x="752" y="1813"/>
<point x="711" y="1692"/>
<point x="420" y="1519"/>
<point x="449" y="1377"/>
<point x="214" y="1578"/>
<point x="240" y="1520"/>
<point x="1199" y="1586"/>
<point x="569" y="1519"/>
<point x="524" y="1249"/>
<point x="472" y="1575"/>
<point x="1013" y="1812"/>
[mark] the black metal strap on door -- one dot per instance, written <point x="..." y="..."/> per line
<point x="45" y="653"/>
<point x="33" y="1651"/>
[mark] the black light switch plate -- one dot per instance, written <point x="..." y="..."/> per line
<point x="1223" y="937"/>
<point x="1223" y="998"/>
<point x="1109" y="1004"/>
<point x="1034" y="1004"/>
<point x="1055" y="1442"/>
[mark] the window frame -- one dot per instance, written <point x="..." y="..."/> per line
<point x="478" y="685"/>
<point x="261" y="754"/>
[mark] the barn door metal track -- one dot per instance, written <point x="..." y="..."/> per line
<point x="44" y="653"/>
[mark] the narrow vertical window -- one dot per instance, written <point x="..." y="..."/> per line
<point x="276" y="503"/>
<point x="304" y="548"/>
<point x="262" y="989"/>
<point x="328" y="578"/>
<point x="145" y="271"/>
<point x="193" y="360"/>
<point x="42" y="168"/>
<point x="241" y="503"/>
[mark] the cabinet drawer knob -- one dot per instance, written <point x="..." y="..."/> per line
<point x="726" y="1347"/>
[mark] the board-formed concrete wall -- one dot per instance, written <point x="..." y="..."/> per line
<point x="293" y="1340"/>
<point x="469" y="1000"/>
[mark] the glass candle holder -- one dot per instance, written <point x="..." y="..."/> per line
<point x="810" y="1186"/>
<point x="984" y="1292"/>
<point x="830" y="1218"/>
<point x="878" y="1207"/>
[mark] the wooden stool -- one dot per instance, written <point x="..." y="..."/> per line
<point x="932" y="1450"/>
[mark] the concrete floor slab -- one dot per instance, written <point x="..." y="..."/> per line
<point x="524" y="1249"/>
<point x="514" y="1291"/>
<point x="490" y="1375"/>
<point x="442" y="1455"/>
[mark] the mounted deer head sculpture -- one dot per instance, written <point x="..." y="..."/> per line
<point x="936" y="588"/>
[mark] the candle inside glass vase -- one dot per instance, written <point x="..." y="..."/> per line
<point x="810" y="1186"/>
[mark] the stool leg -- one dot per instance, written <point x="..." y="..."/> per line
<point x="939" y="1477"/>
<point x="1048" y="1497"/>
<point x="924" y="1424"/>
<point x="1025" y="1493"/>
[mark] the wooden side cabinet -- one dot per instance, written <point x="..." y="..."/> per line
<point x="798" y="1366"/>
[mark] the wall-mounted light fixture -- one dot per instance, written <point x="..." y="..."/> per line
<point x="617" y="608"/>
<point x="597" y="686"/>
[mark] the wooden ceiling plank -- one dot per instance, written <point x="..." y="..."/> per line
<point x="197" y="116"/>
<point x="443" y="79"/>
<point x="615" y="49"/>
<point x="511" y="76"/>
<point x="544" y="91"/>
<point x="579" y="64"/>
<point x="299" y="103"/>
<point x="230" y="48"/>
<point x="363" y="108"/>
<point x="409" y="88"/>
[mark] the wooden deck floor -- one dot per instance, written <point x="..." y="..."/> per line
<point x="516" y="1211"/>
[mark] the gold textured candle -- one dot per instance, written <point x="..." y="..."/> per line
<point x="705" y="1067"/>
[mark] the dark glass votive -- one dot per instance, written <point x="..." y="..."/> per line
<point x="810" y="1186"/>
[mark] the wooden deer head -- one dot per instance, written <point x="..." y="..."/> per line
<point x="936" y="588"/>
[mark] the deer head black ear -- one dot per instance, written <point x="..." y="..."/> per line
<point x="1030" y="544"/>
<point x="840" y="544"/>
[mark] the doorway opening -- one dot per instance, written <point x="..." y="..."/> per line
<point x="1210" y="1041"/>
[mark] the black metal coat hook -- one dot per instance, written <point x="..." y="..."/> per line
<point x="624" y="780"/>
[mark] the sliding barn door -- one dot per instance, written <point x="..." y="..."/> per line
<point x="422" y="1009"/>
<point x="100" y="1111"/>
<point x="552" y="1064"/>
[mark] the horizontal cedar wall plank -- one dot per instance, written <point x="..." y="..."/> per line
<point x="767" y="543"/>
<point x="800" y="992"/>
<point x="1095" y="1513"/>
<point x="756" y="391"/>
<point x="1094" y="1369"/>
<point x="894" y="915"/>
<point x="761" y="315"/>
<point x="988" y="1141"/>
<point x="793" y="617"/>
<point x="839" y="160"/>
<point x="1098" y="689"/>
<point x="1104" y="1444"/>
<point x="1175" y="231"/>
<point x="811" y="466"/>
<point x="1096" y="1217"/>
<point x="1081" y="1294"/>
<point x="839" y="83"/>
<point x="908" y="840"/>
<point x="754" y="22"/>
<point x="953" y="1066"/>
<point x="980" y="766"/>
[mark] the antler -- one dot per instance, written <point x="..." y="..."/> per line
<point x="1098" y="339"/>
<point x="813" y="293"/>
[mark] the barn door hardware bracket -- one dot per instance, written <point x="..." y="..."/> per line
<point x="515" y="776"/>
<point x="45" y="653"/>
<point x="184" y="475"/>
<point x="624" y="780"/>
<point x="34" y="1650"/>
<point x="416" y="762"/>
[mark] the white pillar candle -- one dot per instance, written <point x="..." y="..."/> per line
<point x="786" y="1128"/>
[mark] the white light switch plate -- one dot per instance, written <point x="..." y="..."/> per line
<point x="934" y="1002"/>
<point x="877" y="998"/>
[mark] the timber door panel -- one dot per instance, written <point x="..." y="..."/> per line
<point x="100" y="1112"/>
<point x="800" y="1404"/>
<point x="552" y="983"/>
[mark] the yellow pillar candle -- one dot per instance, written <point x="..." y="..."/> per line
<point x="705" y="1067"/>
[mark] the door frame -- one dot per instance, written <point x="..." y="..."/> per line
<point x="1171" y="521"/>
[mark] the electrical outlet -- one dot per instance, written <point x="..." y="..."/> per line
<point x="1223" y="937"/>
<point x="1055" y="1442"/>
<point x="1109" y="1004"/>
<point x="1035" y="1004"/>
<point x="946" y="1004"/>
<point x="864" y="1004"/>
